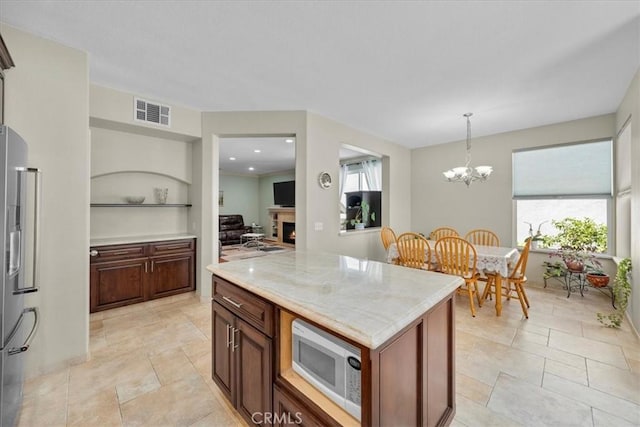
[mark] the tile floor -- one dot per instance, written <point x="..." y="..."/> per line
<point x="150" y="366"/>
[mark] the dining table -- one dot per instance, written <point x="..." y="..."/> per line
<point x="491" y="259"/>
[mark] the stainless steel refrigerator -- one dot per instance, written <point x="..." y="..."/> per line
<point x="20" y="192"/>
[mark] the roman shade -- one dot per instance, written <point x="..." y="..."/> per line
<point x="582" y="169"/>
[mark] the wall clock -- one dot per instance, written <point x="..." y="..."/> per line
<point x="324" y="179"/>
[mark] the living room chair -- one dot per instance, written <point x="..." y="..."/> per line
<point x="515" y="281"/>
<point x="458" y="257"/>
<point x="441" y="232"/>
<point x="414" y="251"/>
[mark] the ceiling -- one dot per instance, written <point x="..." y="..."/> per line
<point x="401" y="70"/>
<point x="275" y="154"/>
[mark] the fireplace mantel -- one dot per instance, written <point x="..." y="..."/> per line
<point x="278" y="216"/>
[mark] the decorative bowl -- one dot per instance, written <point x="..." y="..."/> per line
<point x="134" y="200"/>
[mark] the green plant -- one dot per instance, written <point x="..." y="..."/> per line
<point x="363" y="215"/>
<point x="621" y="293"/>
<point x="578" y="235"/>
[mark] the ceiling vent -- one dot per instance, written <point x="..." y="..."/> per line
<point x="151" y="112"/>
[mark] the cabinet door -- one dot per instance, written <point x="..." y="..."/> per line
<point x="253" y="371"/>
<point x="118" y="283"/>
<point x="171" y="274"/>
<point x="288" y="411"/>
<point x="222" y="322"/>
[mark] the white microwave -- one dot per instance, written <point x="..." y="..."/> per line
<point x="330" y="364"/>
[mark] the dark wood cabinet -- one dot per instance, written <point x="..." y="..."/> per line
<point x="132" y="273"/>
<point x="354" y="206"/>
<point x="117" y="283"/>
<point x="242" y="353"/>
<point x="252" y="356"/>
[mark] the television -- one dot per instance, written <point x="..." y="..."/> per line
<point x="284" y="193"/>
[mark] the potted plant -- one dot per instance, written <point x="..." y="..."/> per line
<point x="363" y="215"/>
<point x="577" y="241"/>
<point x="595" y="275"/>
<point x="622" y="294"/>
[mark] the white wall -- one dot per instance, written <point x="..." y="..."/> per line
<point x="205" y="171"/>
<point x="324" y="139"/>
<point x="131" y="164"/>
<point x="47" y="103"/>
<point x="241" y="196"/>
<point x="435" y="202"/>
<point x="630" y="107"/>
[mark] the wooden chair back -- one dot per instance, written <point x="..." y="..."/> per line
<point x="441" y="232"/>
<point x="519" y="270"/>
<point x="413" y="250"/>
<point x="482" y="237"/>
<point x="388" y="237"/>
<point x="456" y="256"/>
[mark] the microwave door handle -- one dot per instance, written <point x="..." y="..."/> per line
<point x="36" y="322"/>
<point x="36" y="228"/>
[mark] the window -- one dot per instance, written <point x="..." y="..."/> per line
<point x="362" y="174"/>
<point x="558" y="182"/>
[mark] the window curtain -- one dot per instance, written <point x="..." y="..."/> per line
<point x="373" y="174"/>
<point x="343" y="179"/>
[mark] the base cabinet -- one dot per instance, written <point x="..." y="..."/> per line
<point x="133" y="273"/>
<point x="407" y="381"/>
<point x="242" y="353"/>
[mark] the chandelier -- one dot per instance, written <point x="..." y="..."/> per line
<point x="466" y="173"/>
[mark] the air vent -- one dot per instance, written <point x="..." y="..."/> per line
<point x="150" y="112"/>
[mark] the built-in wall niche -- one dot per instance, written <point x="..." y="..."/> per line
<point x="113" y="188"/>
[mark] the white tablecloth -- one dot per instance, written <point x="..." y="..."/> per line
<point x="494" y="259"/>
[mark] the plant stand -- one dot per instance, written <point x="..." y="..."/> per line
<point x="578" y="278"/>
<point x="603" y="290"/>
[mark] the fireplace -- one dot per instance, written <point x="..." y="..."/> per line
<point x="289" y="232"/>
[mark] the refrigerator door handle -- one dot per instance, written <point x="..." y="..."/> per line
<point x="36" y="230"/>
<point x="25" y="346"/>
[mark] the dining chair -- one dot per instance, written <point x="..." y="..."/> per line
<point x="388" y="237"/>
<point x="441" y="232"/>
<point x="414" y="251"/>
<point x="482" y="237"/>
<point x="515" y="281"/>
<point x="458" y="257"/>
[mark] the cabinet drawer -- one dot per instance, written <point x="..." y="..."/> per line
<point x="116" y="252"/>
<point x="172" y="246"/>
<point x="251" y="308"/>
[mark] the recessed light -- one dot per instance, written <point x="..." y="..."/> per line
<point x="232" y="158"/>
<point x="256" y="151"/>
<point x="251" y="168"/>
<point x="289" y="141"/>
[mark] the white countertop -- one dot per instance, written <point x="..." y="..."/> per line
<point x="123" y="240"/>
<point x="366" y="301"/>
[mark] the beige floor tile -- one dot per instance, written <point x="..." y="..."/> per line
<point x="604" y="419"/>
<point x="180" y="403"/>
<point x="550" y="353"/>
<point x="218" y="419"/>
<point x="532" y="405"/>
<point x="154" y="361"/>
<point x="471" y="413"/>
<point x="615" y="381"/>
<point x="133" y="388"/>
<point x="571" y="373"/>
<point x="592" y="397"/>
<point x="591" y="349"/>
<point x="172" y="365"/>
<point x="99" y="410"/>
<point x="473" y="389"/>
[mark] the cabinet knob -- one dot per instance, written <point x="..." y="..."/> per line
<point x="93" y="252"/>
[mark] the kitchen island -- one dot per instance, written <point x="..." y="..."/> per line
<point x="401" y="319"/>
